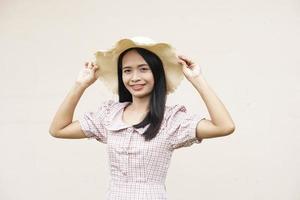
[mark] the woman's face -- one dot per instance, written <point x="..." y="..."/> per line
<point x="137" y="75"/>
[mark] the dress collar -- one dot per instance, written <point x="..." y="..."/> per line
<point x="117" y="122"/>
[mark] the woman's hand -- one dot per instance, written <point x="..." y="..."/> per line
<point x="87" y="76"/>
<point x="190" y="69"/>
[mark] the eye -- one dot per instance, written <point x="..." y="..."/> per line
<point x="144" y="68"/>
<point x="126" y="71"/>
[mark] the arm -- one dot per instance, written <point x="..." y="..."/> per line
<point x="221" y="123"/>
<point x="62" y="125"/>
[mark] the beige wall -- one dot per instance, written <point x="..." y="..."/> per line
<point x="249" y="53"/>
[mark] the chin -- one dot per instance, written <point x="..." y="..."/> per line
<point x="140" y="94"/>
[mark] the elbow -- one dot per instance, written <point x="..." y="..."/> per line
<point x="52" y="132"/>
<point x="229" y="130"/>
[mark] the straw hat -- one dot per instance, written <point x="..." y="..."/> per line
<point x="107" y="60"/>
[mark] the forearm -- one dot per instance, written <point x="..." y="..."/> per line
<point x="217" y="111"/>
<point x="64" y="115"/>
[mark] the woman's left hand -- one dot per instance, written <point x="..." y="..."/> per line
<point x="190" y="69"/>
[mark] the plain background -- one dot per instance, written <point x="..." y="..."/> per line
<point x="249" y="54"/>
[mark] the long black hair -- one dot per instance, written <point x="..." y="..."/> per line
<point x="158" y="95"/>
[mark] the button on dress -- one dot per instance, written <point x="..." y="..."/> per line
<point x="138" y="168"/>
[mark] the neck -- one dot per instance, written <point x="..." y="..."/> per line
<point x="140" y="104"/>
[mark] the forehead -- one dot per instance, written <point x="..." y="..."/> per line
<point x="132" y="58"/>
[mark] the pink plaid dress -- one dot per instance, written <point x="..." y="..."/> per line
<point x="138" y="168"/>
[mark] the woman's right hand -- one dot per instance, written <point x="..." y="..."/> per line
<point x="87" y="76"/>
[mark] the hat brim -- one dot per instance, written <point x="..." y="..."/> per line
<point x="108" y="61"/>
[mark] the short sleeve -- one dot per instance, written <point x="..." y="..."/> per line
<point x="181" y="127"/>
<point x="92" y="123"/>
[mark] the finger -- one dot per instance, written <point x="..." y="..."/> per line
<point x="180" y="59"/>
<point x="188" y="60"/>
<point x="182" y="62"/>
<point x="90" y="65"/>
<point x="184" y="58"/>
<point x="96" y="66"/>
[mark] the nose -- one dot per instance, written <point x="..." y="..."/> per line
<point x="135" y="76"/>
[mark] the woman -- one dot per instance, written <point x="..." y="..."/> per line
<point x="141" y="131"/>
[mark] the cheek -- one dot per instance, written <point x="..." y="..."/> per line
<point x="151" y="82"/>
<point x="151" y="79"/>
<point x="125" y="79"/>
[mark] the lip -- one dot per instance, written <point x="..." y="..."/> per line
<point x="137" y="86"/>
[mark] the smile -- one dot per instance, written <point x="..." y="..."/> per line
<point x="137" y="87"/>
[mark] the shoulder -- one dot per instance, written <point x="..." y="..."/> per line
<point x="174" y="112"/>
<point x="171" y="110"/>
<point x="108" y="106"/>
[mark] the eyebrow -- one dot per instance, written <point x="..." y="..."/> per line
<point x="140" y="65"/>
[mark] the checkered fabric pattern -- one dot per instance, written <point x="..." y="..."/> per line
<point x="138" y="168"/>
